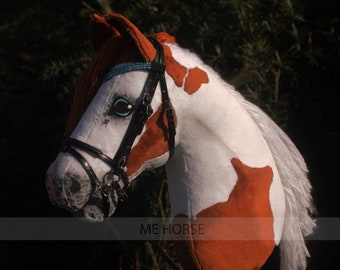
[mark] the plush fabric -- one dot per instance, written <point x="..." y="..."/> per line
<point x="100" y="31"/>
<point x="131" y="32"/>
<point x="152" y="143"/>
<point x="110" y="36"/>
<point x="122" y="26"/>
<point x="195" y="79"/>
<point x="245" y="240"/>
<point x="266" y="174"/>
<point x="116" y="40"/>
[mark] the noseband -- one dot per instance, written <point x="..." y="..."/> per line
<point x="116" y="180"/>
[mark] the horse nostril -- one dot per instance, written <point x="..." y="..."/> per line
<point x="75" y="185"/>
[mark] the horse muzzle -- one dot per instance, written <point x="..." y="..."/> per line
<point x="69" y="187"/>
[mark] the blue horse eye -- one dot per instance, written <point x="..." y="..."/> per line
<point x="121" y="107"/>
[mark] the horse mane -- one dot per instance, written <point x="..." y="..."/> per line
<point x="115" y="51"/>
<point x="297" y="189"/>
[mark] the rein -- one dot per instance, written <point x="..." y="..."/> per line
<point x="116" y="180"/>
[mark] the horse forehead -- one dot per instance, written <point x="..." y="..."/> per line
<point x="131" y="82"/>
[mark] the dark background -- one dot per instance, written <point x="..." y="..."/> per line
<point x="44" y="49"/>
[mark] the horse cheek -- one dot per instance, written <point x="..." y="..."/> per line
<point x="152" y="143"/>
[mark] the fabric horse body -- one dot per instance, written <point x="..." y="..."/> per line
<point x="230" y="159"/>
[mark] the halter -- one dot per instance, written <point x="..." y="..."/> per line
<point x="116" y="180"/>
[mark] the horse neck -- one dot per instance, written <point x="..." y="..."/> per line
<point x="213" y="128"/>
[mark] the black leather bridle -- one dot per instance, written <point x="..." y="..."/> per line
<point x="116" y="180"/>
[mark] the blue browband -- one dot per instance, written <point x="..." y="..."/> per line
<point x="120" y="69"/>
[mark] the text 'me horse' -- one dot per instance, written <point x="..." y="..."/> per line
<point x="147" y="102"/>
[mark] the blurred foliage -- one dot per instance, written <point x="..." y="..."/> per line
<point x="277" y="54"/>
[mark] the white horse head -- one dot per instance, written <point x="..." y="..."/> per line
<point x="230" y="160"/>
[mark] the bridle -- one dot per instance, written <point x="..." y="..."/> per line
<point x="116" y="179"/>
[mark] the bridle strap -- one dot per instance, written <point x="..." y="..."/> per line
<point x="169" y="115"/>
<point x="93" y="178"/>
<point x="139" y="117"/>
<point x="111" y="180"/>
<point x="144" y="110"/>
<point x="93" y="151"/>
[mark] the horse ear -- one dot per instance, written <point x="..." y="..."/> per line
<point x="131" y="32"/>
<point x="100" y="31"/>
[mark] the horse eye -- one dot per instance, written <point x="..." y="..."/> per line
<point x="121" y="107"/>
